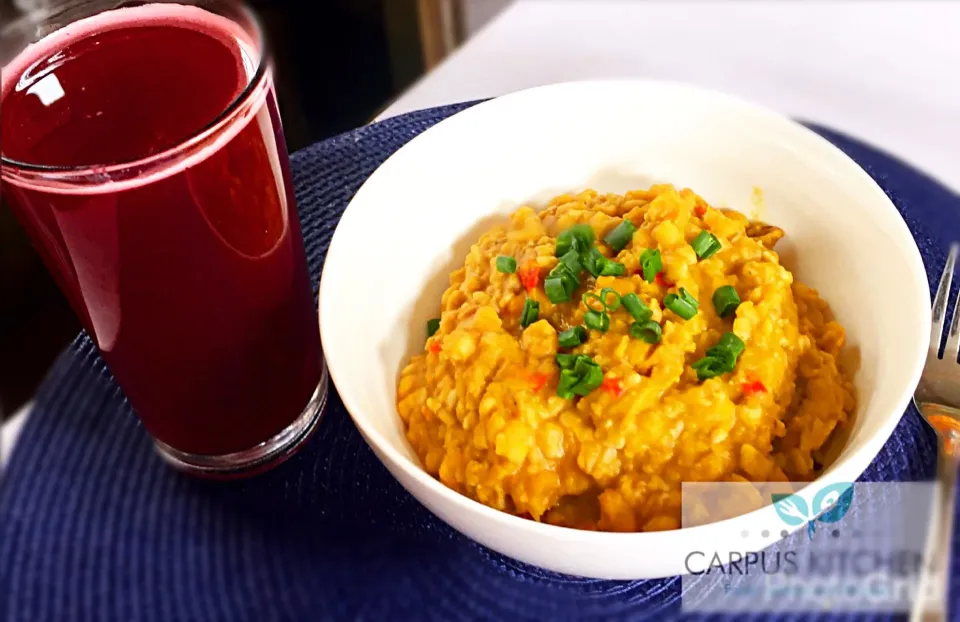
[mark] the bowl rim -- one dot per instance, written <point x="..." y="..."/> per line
<point x="847" y="470"/>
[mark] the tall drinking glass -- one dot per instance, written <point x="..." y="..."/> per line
<point x="143" y="153"/>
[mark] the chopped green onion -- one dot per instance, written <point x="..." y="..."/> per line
<point x="576" y="362"/>
<point x="596" y="320"/>
<point x="726" y="354"/>
<point x="570" y="281"/>
<point x="578" y="238"/>
<point x="579" y="375"/>
<point x="620" y="236"/>
<point x="572" y="337"/>
<point x="598" y="265"/>
<point x="716" y="364"/>
<point x="568" y="378"/>
<point x="583" y="234"/>
<point x="611" y="304"/>
<point x="567" y="280"/>
<point x="705" y="244"/>
<point x="727" y="357"/>
<point x="432" y="327"/>
<point x="594" y="261"/>
<point x="583" y="364"/>
<point x="709" y="367"/>
<point x="683" y="305"/>
<point x="593" y="302"/>
<point x="556" y="292"/>
<point x="636" y="308"/>
<point x="590" y="381"/>
<point x="565" y="243"/>
<point x="721" y="358"/>
<point x="531" y="311"/>
<point x="651" y="263"/>
<point x="507" y="265"/>
<point x="569" y="287"/>
<point x="612" y="268"/>
<point x="685" y="295"/>
<point x="726" y="300"/>
<point x="571" y="261"/>
<point x="557" y="289"/>
<point x="648" y="331"/>
<point x="730" y="342"/>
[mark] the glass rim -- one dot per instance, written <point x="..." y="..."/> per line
<point x="67" y="172"/>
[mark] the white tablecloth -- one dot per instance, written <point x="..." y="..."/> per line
<point x="885" y="71"/>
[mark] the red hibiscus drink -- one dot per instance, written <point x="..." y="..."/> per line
<point x="143" y="153"/>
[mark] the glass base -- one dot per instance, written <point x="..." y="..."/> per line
<point x="259" y="458"/>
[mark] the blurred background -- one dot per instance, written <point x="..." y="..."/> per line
<point x="370" y="49"/>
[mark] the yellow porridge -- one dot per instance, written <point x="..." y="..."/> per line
<point x="592" y="356"/>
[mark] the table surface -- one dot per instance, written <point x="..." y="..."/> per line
<point x="882" y="71"/>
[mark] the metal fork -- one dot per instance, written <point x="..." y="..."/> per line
<point x="938" y="399"/>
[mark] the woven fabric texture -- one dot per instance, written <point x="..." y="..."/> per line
<point x="94" y="527"/>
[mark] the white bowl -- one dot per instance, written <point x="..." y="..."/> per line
<point x="413" y="221"/>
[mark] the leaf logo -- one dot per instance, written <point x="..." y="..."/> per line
<point x="793" y="511"/>
<point x="833" y="502"/>
<point x="830" y="505"/>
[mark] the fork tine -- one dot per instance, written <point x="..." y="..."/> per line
<point x="952" y="349"/>
<point x="940" y="304"/>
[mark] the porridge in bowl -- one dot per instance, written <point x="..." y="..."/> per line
<point x="591" y="357"/>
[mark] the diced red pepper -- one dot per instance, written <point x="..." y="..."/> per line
<point x="613" y="386"/>
<point x="529" y="274"/>
<point x="753" y="388"/>
<point x="662" y="280"/>
<point x="435" y="347"/>
<point x="538" y="380"/>
<point x="700" y="211"/>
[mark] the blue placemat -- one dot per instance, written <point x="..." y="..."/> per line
<point x="94" y="527"/>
